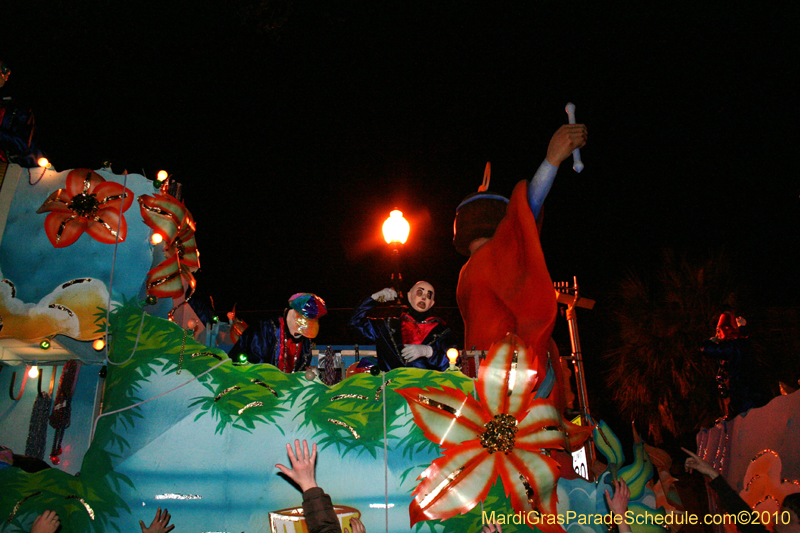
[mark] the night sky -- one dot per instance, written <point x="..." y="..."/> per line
<point x="295" y="127"/>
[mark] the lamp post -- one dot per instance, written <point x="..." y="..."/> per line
<point x="395" y="232"/>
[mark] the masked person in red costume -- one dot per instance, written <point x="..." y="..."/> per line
<point x="417" y="339"/>
<point x="505" y="286"/>
<point x="284" y="342"/>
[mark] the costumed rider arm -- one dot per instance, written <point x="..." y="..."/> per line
<point x="257" y="343"/>
<point x="435" y="352"/>
<point x="14" y="146"/>
<point x="566" y="139"/>
<point x="412" y="352"/>
<point x="360" y="322"/>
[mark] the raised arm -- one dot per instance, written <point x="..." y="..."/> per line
<point x="566" y="139"/>
<point x="360" y="322"/>
<point x="693" y="462"/>
<point x="317" y="506"/>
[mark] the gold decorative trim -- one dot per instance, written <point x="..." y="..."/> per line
<point x="380" y="389"/>
<point x="226" y="391"/>
<point x="348" y="396"/>
<point x="19" y="504"/>
<point x="249" y="405"/>
<point x="438" y="405"/>
<point x="262" y="384"/>
<point x="346" y="426"/>
<point x="86" y="505"/>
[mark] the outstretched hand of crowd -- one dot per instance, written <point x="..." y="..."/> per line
<point x="160" y="523"/>
<point x="302" y="470"/>
<point x="492" y="527"/>
<point x="47" y="522"/>
<point x="355" y="526"/>
<point x="693" y="462"/>
<point x="618" y="504"/>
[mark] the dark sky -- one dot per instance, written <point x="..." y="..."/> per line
<point x="295" y="127"/>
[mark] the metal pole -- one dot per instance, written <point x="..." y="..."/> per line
<point x="397" y="276"/>
<point x="580" y="378"/>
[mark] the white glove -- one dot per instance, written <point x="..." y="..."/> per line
<point x="412" y="352"/>
<point x="386" y="295"/>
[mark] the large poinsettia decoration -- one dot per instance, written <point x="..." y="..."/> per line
<point x="88" y="203"/>
<point x="507" y="434"/>
<point x="170" y="218"/>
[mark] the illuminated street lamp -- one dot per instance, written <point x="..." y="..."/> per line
<point x="396" y="228"/>
<point x="395" y="232"/>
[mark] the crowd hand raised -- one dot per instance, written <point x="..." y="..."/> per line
<point x="160" y="523"/>
<point x="47" y="522"/>
<point x="302" y="471"/>
<point x="355" y="526"/>
<point x="622" y="494"/>
<point x="492" y="527"/>
<point x="566" y="139"/>
<point x="693" y="462"/>
<point x="386" y="295"/>
<point x="412" y="352"/>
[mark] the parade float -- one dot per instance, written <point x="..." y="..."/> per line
<point x="136" y="405"/>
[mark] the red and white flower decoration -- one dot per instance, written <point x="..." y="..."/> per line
<point x="170" y="218"/>
<point x="506" y="434"/>
<point x="88" y="203"/>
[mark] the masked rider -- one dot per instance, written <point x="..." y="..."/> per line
<point x="415" y="339"/>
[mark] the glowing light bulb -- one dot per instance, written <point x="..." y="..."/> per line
<point x="156" y="238"/>
<point x="99" y="344"/>
<point x="452" y="356"/>
<point x="162" y="175"/>
<point x="43" y="162"/>
<point x="396" y="228"/>
<point x="44" y="345"/>
<point x="33" y="373"/>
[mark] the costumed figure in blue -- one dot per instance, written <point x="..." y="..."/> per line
<point x="415" y="339"/>
<point x="284" y="342"/>
<point x="16" y="128"/>
<point x="730" y="348"/>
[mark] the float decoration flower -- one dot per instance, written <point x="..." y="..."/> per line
<point x="508" y="434"/>
<point x="88" y="203"/>
<point x="169" y="217"/>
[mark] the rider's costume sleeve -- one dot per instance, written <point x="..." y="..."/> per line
<point x="505" y="286"/>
